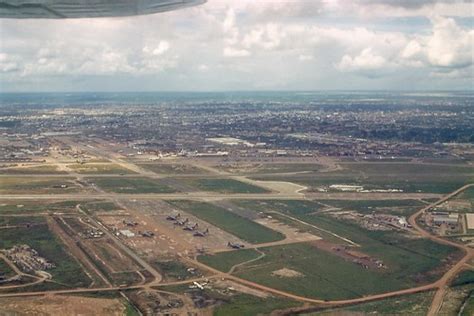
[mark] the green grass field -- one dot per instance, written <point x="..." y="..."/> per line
<point x="409" y="168"/>
<point x="173" y="269"/>
<point x="165" y="168"/>
<point x="132" y="185"/>
<point x="464" y="278"/>
<point x="234" y="224"/>
<point x="468" y="194"/>
<point x="468" y="309"/>
<point x="247" y="305"/>
<point x="229" y="186"/>
<point x="99" y="168"/>
<point x="15" y="185"/>
<point x="408" y="177"/>
<point x="224" y="261"/>
<point x="67" y="272"/>
<point x="28" y="206"/>
<point x="323" y="274"/>
<point x="5" y="270"/>
<point x="99" y="206"/>
<point x="408" y="259"/>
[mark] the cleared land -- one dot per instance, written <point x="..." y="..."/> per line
<point x="232" y="223"/>
<point x="62" y="305"/>
<point x="227" y="186"/>
<point x="132" y="185"/>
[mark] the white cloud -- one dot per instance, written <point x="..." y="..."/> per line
<point x="304" y="57"/>
<point x="292" y="44"/>
<point x="448" y="46"/>
<point x="160" y="49"/>
<point x="7" y="63"/>
<point x="233" y="52"/>
<point x="367" y="62"/>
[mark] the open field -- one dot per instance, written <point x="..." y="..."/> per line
<point x="468" y="195"/>
<point x="13" y="185"/>
<point x="224" y="261"/>
<point x="172" y="168"/>
<point x="21" y="221"/>
<point x="67" y="271"/>
<point x="409" y="178"/>
<point x="100" y="207"/>
<point x="174" y="270"/>
<point x="116" y="266"/>
<point x="19" y="207"/>
<point x="468" y="307"/>
<point x="99" y="168"/>
<point x="410" y="258"/>
<point x="414" y="304"/>
<point x="247" y="305"/>
<point x="456" y="300"/>
<point x="5" y="270"/>
<point x="238" y="226"/>
<point x="400" y="169"/>
<point x="316" y="273"/>
<point x="270" y="168"/>
<point x="227" y="186"/>
<point x="464" y="278"/>
<point x="132" y="185"/>
<point x="46" y="169"/>
<point x="395" y="207"/>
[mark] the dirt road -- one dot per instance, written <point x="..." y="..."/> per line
<point x="443" y="283"/>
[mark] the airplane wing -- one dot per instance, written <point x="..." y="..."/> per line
<point x="63" y="9"/>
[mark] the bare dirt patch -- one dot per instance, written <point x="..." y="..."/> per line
<point x="287" y="273"/>
<point x="61" y="305"/>
<point x="292" y="234"/>
<point x="281" y="186"/>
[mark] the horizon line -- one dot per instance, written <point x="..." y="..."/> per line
<point x="236" y="91"/>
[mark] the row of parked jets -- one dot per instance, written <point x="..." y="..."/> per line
<point x="176" y="218"/>
<point x="187" y="225"/>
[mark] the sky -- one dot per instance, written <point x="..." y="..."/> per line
<point x="239" y="45"/>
